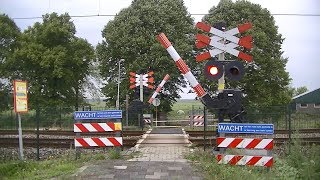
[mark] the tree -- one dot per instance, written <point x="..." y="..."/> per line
<point x="266" y="82"/>
<point x="9" y="33"/>
<point x="132" y="36"/>
<point x="299" y="90"/>
<point x="53" y="61"/>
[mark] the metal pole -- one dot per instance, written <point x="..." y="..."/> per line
<point x="204" y="128"/>
<point x="127" y="109"/>
<point x="20" y="138"/>
<point x="118" y="102"/>
<point x="141" y="87"/>
<point x="156" y="116"/>
<point x="38" y="126"/>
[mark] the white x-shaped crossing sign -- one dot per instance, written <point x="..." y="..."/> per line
<point x="219" y="47"/>
<point x="135" y="80"/>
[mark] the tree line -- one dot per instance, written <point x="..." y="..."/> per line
<point x="58" y="65"/>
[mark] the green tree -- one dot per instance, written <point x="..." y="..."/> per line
<point x="53" y="61"/>
<point x="132" y="36"/>
<point x="299" y="90"/>
<point x="266" y="82"/>
<point x="9" y="33"/>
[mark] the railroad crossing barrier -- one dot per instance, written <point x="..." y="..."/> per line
<point x="257" y="144"/>
<point x="147" y="118"/>
<point x="111" y="123"/>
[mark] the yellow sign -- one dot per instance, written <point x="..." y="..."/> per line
<point x="20" y="96"/>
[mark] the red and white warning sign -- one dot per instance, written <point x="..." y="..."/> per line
<point x="221" y="47"/>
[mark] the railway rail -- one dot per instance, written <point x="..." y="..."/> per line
<point x="64" y="139"/>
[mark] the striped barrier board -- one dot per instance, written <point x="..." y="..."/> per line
<point x="98" y="142"/>
<point x="147" y="121"/>
<point x="245" y="143"/>
<point x="96" y="127"/>
<point x="266" y="161"/>
<point x="200" y="123"/>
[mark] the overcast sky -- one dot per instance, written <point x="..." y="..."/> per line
<point x="301" y="33"/>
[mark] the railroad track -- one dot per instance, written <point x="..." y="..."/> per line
<point x="277" y="141"/>
<point x="69" y="133"/>
<point x="282" y="131"/>
<point x="52" y="142"/>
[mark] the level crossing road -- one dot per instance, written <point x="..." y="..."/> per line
<point x="159" y="154"/>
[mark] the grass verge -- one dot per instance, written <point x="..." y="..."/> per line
<point x="58" y="167"/>
<point x="302" y="162"/>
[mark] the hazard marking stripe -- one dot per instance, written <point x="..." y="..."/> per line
<point x="199" y="90"/>
<point x="182" y="66"/>
<point x="78" y="127"/>
<point x="96" y="127"/>
<point x="98" y="142"/>
<point x="245" y="143"/>
<point x="266" y="161"/>
<point x="164" y="40"/>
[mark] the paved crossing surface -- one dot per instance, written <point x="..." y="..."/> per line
<point x="160" y="154"/>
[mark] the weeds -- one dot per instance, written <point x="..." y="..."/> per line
<point x="303" y="162"/>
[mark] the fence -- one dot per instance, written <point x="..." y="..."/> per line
<point x="62" y="118"/>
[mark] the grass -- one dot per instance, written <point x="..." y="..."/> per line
<point x="302" y="162"/>
<point x="58" y="167"/>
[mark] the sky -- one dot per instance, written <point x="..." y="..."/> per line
<point x="301" y="33"/>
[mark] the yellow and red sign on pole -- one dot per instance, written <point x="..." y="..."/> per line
<point x="20" y="96"/>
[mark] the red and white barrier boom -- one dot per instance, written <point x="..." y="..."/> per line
<point x="154" y="95"/>
<point x="181" y="65"/>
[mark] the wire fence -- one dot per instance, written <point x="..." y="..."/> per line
<point x="61" y="118"/>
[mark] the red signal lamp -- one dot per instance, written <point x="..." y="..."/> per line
<point x="213" y="70"/>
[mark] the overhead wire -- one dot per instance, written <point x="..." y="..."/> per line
<point x="200" y="14"/>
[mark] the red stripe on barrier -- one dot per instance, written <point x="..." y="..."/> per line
<point x="199" y="90"/>
<point x="219" y="157"/>
<point x="97" y="127"/>
<point x="182" y="66"/>
<point x="81" y="127"/>
<point x="111" y="125"/>
<point x="235" y="159"/>
<point x="253" y="143"/>
<point x="164" y="40"/>
<point x="235" y="142"/>
<point x="270" y="145"/>
<point x="269" y="163"/>
<point x="253" y="160"/>
<point x="114" y="141"/>
<point x="158" y="89"/>
<point x="98" y="142"/>
<point x="82" y="142"/>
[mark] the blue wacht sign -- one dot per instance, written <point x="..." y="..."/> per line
<point x="245" y="128"/>
<point x="91" y="115"/>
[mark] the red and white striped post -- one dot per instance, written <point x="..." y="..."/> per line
<point x="184" y="69"/>
<point x="154" y="95"/>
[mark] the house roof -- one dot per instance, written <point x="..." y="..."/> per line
<point x="308" y="97"/>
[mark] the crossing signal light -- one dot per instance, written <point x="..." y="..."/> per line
<point x="213" y="70"/>
<point x="234" y="70"/>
